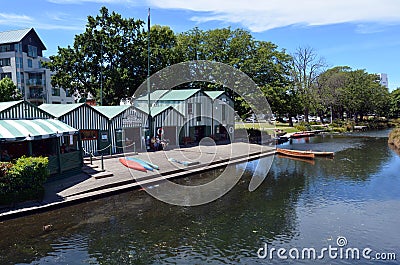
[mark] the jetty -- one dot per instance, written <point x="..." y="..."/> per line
<point x="108" y="176"/>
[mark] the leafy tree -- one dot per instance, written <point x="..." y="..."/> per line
<point x="8" y="90"/>
<point x="109" y="54"/>
<point x="395" y="103"/>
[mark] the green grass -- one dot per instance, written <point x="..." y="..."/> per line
<point x="264" y="126"/>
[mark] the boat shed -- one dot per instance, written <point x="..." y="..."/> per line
<point x="223" y="115"/>
<point x="21" y="109"/>
<point x="126" y="125"/>
<point x="42" y="137"/>
<point x="93" y="126"/>
<point x="205" y="114"/>
<point x="167" y="123"/>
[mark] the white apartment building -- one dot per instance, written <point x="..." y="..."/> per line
<point x="384" y="80"/>
<point x="21" y="57"/>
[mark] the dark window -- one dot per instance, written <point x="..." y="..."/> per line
<point x="198" y="111"/>
<point x="223" y="112"/>
<point x="190" y="108"/>
<point x="4" y="75"/>
<point x="89" y="135"/>
<point x="30" y="63"/>
<point x="32" y="51"/>
<point x="5" y="62"/>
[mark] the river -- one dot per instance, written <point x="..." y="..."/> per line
<point x="349" y="202"/>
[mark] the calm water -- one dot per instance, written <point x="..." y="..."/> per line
<point x="300" y="205"/>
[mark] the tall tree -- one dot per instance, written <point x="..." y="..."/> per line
<point x="8" y="90"/>
<point x="105" y="61"/>
<point x="306" y="67"/>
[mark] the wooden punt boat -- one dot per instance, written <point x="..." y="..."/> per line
<point x="309" y="161"/>
<point x="329" y="154"/>
<point x="296" y="153"/>
<point x="132" y="164"/>
<point x="302" y="134"/>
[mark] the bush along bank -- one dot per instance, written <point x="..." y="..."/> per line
<point x="394" y="138"/>
<point x="23" y="180"/>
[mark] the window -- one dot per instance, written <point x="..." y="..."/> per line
<point x="4" y="75"/>
<point x="198" y="111"/>
<point x="56" y="92"/>
<point x="18" y="47"/>
<point x="89" y="135"/>
<point x="19" y="62"/>
<point x="32" y="51"/>
<point x="5" y="48"/>
<point x="5" y="62"/>
<point x="190" y="108"/>
<point x="30" y="63"/>
<point x="39" y="64"/>
<point x="223" y="112"/>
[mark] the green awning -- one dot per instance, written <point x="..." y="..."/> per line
<point x="27" y="130"/>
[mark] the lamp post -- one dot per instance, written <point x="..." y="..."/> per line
<point x="101" y="73"/>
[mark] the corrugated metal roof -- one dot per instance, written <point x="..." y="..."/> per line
<point x="26" y="130"/>
<point x="58" y="110"/>
<point x="181" y="94"/>
<point x="8" y="104"/>
<point x="155" y="95"/>
<point x="214" y="94"/>
<point x="111" y="111"/>
<point x="13" y="36"/>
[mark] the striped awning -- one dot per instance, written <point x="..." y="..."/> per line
<point x="28" y="130"/>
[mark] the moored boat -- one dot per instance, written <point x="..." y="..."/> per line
<point x="302" y="134"/>
<point x="296" y="153"/>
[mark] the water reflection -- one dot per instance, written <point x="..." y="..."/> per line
<point x="298" y="204"/>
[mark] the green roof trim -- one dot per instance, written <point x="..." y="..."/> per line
<point x="214" y="94"/>
<point x="111" y="111"/>
<point x="8" y="104"/>
<point x="180" y="94"/>
<point x="58" y="110"/>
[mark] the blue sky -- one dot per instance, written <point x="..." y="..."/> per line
<point x="362" y="34"/>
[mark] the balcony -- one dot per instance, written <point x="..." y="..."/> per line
<point x="36" y="93"/>
<point x="35" y="82"/>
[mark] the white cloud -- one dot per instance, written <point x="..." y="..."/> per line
<point x="8" y="18"/>
<point x="90" y="1"/>
<point x="262" y="15"/>
<point x="24" y="21"/>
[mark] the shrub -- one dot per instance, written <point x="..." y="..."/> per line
<point x="23" y="180"/>
<point x="394" y="138"/>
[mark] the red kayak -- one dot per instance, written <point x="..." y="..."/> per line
<point x="132" y="164"/>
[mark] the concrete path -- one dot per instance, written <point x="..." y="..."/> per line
<point x="117" y="178"/>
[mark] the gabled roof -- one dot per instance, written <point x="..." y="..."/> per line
<point x="155" y="95"/>
<point x="181" y="94"/>
<point x="111" y="111"/>
<point x="15" y="36"/>
<point x="8" y="104"/>
<point x="58" y="110"/>
<point x="214" y="94"/>
<point x="158" y="110"/>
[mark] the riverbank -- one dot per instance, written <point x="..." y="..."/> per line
<point x="116" y="178"/>
<point x="394" y="138"/>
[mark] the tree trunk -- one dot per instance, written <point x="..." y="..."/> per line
<point x="306" y="112"/>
